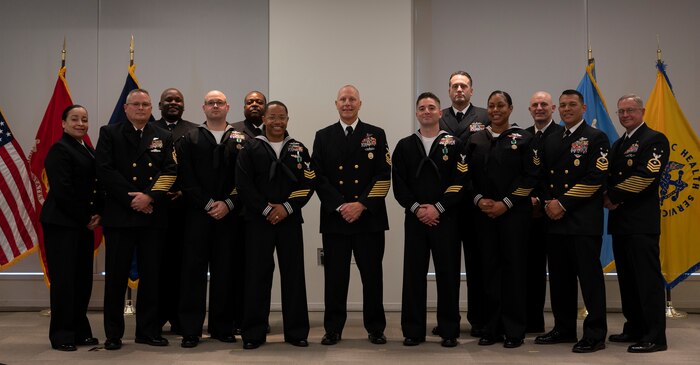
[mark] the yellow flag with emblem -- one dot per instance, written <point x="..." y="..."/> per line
<point x="679" y="191"/>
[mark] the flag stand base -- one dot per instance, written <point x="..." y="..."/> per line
<point x="673" y="313"/>
<point x="45" y="312"/>
<point x="582" y="313"/>
<point x="129" y="309"/>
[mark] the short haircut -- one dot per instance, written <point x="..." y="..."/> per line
<point x="427" y="95"/>
<point x="463" y="73"/>
<point x="505" y="95"/>
<point x="135" y="91"/>
<point x="69" y="108"/>
<point x="634" y="98"/>
<point x="255" y="92"/>
<point x="573" y="92"/>
<point x="276" y="102"/>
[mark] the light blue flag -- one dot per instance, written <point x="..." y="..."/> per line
<point x="597" y="116"/>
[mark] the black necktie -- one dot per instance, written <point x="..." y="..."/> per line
<point x="139" y="133"/>
<point x="567" y="133"/>
<point x="170" y="126"/>
<point x="459" y="116"/>
<point x="348" y="132"/>
<point x="538" y="134"/>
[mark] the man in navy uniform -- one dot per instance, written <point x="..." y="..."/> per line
<point x="353" y="166"/>
<point x="253" y="111"/>
<point x="429" y="177"/>
<point x="172" y="105"/>
<point x="541" y="109"/>
<point x="207" y="160"/>
<point x="461" y="120"/>
<point x="637" y="161"/>
<point x="575" y="164"/>
<point x="136" y="166"/>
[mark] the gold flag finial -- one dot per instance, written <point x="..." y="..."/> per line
<point x="658" y="49"/>
<point x="63" y="53"/>
<point x="131" y="51"/>
<point x="590" y="55"/>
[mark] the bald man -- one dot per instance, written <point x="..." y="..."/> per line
<point x="353" y="166"/>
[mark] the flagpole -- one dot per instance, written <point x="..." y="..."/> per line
<point x="129" y="309"/>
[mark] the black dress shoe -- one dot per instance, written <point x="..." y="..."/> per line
<point x="330" y="338"/>
<point x="238" y="332"/>
<point x="512" y="342"/>
<point x="413" y="341"/>
<point x="587" y="345"/>
<point x="88" y="341"/>
<point x="377" y="338"/>
<point x="152" y="341"/>
<point x="113" y="344"/>
<point x="623" y="337"/>
<point x="553" y="337"/>
<point x="65" y="347"/>
<point x="643" y="347"/>
<point x="298" y="343"/>
<point x="189" y="341"/>
<point x="436" y="331"/>
<point x="490" y="340"/>
<point x="251" y="345"/>
<point x="449" y="342"/>
<point x="228" y="338"/>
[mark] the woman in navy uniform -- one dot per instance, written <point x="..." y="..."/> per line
<point x="504" y="172"/>
<point x="69" y="215"/>
<point x="274" y="178"/>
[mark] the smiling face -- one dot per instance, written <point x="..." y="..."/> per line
<point x="499" y="111"/>
<point x="571" y="109"/>
<point x="348" y="104"/>
<point x="541" y="107"/>
<point x="138" y="108"/>
<point x="275" y="120"/>
<point x="630" y="113"/>
<point x="172" y="105"/>
<point x="76" y="123"/>
<point x="428" y="112"/>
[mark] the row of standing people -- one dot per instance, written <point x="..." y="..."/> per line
<point x="350" y="169"/>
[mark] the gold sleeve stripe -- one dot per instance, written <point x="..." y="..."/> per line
<point x="462" y="167"/>
<point x="310" y="174"/>
<point x="453" y="189"/>
<point x="635" y="184"/>
<point x="522" y="192"/>
<point x="582" y="191"/>
<point x="299" y="193"/>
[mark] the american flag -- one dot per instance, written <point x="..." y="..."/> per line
<point x="19" y="217"/>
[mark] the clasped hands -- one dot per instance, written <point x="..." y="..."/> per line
<point x="492" y="208"/>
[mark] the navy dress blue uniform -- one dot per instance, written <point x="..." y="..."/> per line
<point x="74" y="196"/>
<point x="504" y="168"/>
<point x="636" y="165"/>
<point x="262" y="178"/>
<point x="171" y="259"/>
<point x="474" y="120"/>
<point x="536" y="248"/>
<point x="575" y="169"/>
<point x="248" y="128"/>
<point x="129" y="162"/>
<point x="353" y="169"/>
<point x="437" y="178"/>
<point x="206" y="172"/>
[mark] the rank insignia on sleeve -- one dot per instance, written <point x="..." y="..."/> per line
<point x="388" y="158"/>
<point x="174" y="156"/>
<point x="654" y="164"/>
<point x="535" y="158"/>
<point x="602" y="162"/>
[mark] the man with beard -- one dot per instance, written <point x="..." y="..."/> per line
<point x="253" y="110"/>
<point x="172" y="105"/>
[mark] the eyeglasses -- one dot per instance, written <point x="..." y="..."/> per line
<point x="628" y="111"/>
<point x="213" y="103"/>
<point x="140" y="105"/>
